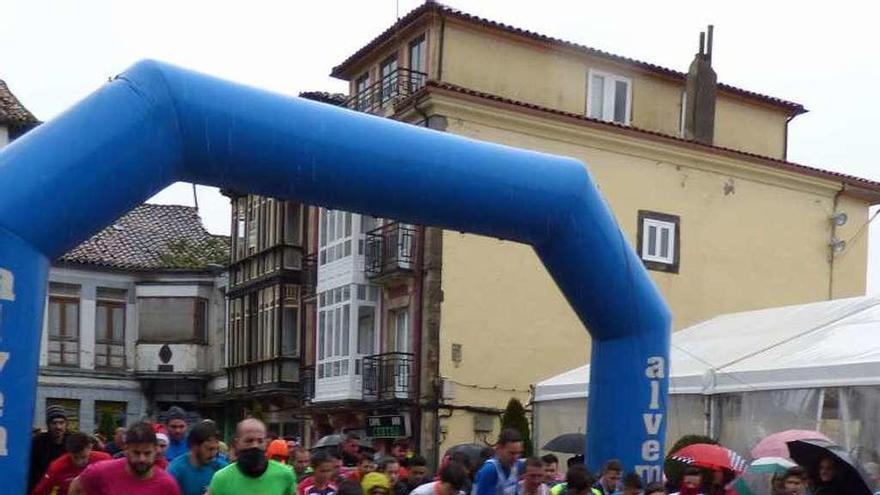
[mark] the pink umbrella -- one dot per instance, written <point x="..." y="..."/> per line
<point x="775" y="445"/>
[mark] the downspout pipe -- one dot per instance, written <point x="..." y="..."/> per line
<point x="157" y="124"/>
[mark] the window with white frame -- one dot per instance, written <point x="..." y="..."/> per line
<point x="335" y="237"/>
<point x="658" y="240"/>
<point x="335" y="310"/>
<point x="609" y="97"/>
<point x="367" y="302"/>
<point x="400" y="330"/>
<point x="334" y="327"/>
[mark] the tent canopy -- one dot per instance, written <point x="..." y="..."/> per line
<point x="824" y="344"/>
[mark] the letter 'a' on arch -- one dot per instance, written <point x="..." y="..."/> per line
<point x="156" y="124"/>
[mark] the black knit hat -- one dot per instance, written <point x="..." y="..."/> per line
<point x="55" y="412"/>
<point x="175" y="412"/>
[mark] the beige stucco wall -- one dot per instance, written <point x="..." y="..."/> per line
<point x="752" y="237"/>
<point x="527" y="71"/>
<point x="749" y="127"/>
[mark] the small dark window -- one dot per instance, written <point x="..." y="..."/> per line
<point x="659" y="241"/>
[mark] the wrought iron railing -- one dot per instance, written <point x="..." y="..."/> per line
<point x="390" y="249"/>
<point x="277" y="372"/>
<point x="396" y="86"/>
<point x="388" y="376"/>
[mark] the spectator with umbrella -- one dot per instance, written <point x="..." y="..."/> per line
<point x="831" y="468"/>
<point x="795" y="481"/>
<point x="691" y="482"/>
<point x="722" y="463"/>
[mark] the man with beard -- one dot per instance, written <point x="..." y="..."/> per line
<point x="253" y="473"/>
<point x="63" y="470"/>
<point x="133" y="475"/>
<point x="175" y="425"/>
<point x="49" y="445"/>
<point x="195" y="470"/>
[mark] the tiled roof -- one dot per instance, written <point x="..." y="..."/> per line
<point x="430" y="6"/>
<point x="324" y="97"/>
<point x="764" y="160"/>
<point x="153" y="238"/>
<point x="12" y="111"/>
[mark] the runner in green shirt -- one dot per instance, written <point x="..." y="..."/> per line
<point x="253" y="473"/>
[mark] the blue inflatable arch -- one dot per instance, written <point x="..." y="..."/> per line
<point x="157" y="124"/>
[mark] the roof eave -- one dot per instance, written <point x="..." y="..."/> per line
<point x="856" y="187"/>
<point x="344" y="70"/>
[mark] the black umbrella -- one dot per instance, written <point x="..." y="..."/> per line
<point x="470" y="451"/>
<point x="333" y="441"/>
<point x="568" y="443"/>
<point x="848" y="476"/>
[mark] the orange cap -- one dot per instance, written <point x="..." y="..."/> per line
<point x="277" y="448"/>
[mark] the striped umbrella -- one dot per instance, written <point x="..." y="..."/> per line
<point x="710" y="456"/>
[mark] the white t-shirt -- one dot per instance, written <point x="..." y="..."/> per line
<point x="429" y="489"/>
<point x="426" y="489"/>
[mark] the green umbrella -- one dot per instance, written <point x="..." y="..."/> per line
<point x="758" y="477"/>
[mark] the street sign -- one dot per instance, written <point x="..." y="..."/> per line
<point x="392" y="426"/>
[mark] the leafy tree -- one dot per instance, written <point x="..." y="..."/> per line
<point x="514" y="416"/>
<point x="107" y="425"/>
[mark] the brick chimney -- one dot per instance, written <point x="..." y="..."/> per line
<point x="699" y="115"/>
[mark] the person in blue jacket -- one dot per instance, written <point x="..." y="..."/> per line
<point x="500" y="474"/>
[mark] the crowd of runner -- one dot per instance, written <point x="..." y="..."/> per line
<point x="174" y="458"/>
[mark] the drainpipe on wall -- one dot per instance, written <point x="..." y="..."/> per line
<point x="785" y="137"/>
<point x="831" y="242"/>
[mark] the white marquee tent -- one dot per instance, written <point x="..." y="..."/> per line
<point x="742" y="376"/>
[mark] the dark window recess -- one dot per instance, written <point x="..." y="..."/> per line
<point x="172" y="320"/>
<point x="659" y="241"/>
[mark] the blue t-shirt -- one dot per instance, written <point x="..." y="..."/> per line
<point x="191" y="479"/>
<point x="176" y="449"/>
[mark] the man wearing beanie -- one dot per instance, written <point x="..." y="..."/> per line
<point x="175" y="423"/>
<point x="49" y="445"/>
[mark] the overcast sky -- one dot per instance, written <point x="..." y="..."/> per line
<point x="52" y="53"/>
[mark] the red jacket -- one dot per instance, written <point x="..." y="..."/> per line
<point x="62" y="471"/>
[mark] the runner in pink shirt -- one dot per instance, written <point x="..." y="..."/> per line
<point x="134" y="474"/>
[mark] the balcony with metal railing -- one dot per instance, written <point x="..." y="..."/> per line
<point x="386" y="92"/>
<point x="391" y="251"/>
<point x="267" y="375"/>
<point x="388" y="376"/>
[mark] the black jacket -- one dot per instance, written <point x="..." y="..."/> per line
<point x="43" y="451"/>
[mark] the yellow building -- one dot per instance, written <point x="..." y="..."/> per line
<point x="701" y="189"/>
